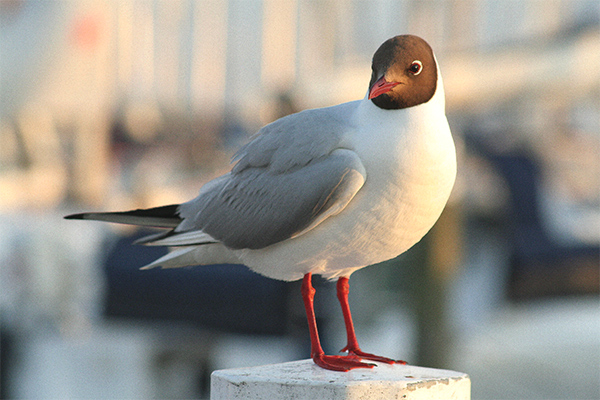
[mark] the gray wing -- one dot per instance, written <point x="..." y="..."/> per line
<point x="287" y="180"/>
<point x="257" y="207"/>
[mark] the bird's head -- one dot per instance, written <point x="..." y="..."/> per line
<point x="404" y="73"/>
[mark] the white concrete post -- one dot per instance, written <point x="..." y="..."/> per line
<point x="304" y="380"/>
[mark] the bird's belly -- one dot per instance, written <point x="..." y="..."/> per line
<point x="396" y="219"/>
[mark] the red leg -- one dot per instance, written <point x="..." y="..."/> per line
<point x="352" y="347"/>
<point x="335" y="363"/>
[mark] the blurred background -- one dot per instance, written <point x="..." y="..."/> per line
<point x="112" y="105"/>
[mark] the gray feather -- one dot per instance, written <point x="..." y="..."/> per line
<point x="295" y="140"/>
<point x="256" y="207"/>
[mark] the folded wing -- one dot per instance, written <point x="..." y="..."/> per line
<point x="256" y="208"/>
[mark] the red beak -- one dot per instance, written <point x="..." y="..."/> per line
<point x="380" y="87"/>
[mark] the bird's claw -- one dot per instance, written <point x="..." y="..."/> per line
<point x="340" y="363"/>
<point x="358" y="354"/>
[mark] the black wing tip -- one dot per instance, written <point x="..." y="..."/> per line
<point x="158" y="217"/>
<point x="75" y="216"/>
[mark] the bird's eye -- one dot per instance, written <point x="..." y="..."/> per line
<point x="416" y="67"/>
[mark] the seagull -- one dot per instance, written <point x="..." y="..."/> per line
<point x="324" y="191"/>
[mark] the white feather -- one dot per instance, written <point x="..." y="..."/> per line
<point x="184" y="239"/>
<point x="214" y="253"/>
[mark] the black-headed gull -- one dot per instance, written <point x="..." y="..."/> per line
<point x="325" y="191"/>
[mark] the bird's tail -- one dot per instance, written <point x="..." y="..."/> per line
<point x="158" y="217"/>
<point x="196" y="247"/>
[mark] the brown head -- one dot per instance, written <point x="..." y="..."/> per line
<point x="404" y="73"/>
